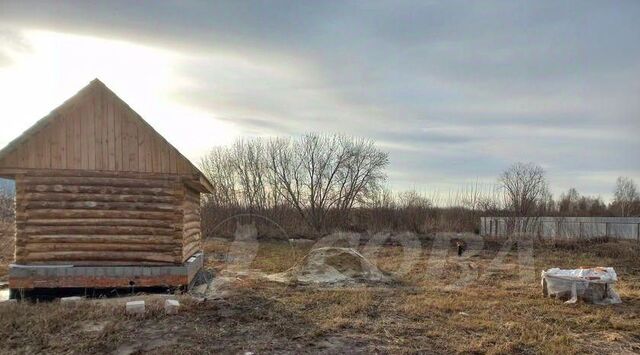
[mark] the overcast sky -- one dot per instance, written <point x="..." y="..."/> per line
<point x="454" y="91"/>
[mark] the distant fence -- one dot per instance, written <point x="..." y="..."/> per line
<point x="563" y="227"/>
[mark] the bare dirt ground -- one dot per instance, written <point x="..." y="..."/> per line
<point x="496" y="312"/>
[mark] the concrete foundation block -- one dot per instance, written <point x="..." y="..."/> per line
<point x="103" y="276"/>
<point x="171" y="306"/>
<point x="135" y="307"/>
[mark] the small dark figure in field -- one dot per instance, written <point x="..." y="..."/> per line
<point x="461" y="247"/>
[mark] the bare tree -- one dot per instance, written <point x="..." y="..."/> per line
<point x="248" y="161"/>
<point x="626" y="197"/>
<point x="6" y="203"/>
<point x="318" y="173"/>
<point x="361" y="178"/>
<point x="313" y="175"/>
<point x="568" y="204"/>
<point x="415" y="208"/>
<point x="572" y="203"/>
<point x="219" y="169"/>
<point x="7" y="213"/>
<point x="525" y="188"/>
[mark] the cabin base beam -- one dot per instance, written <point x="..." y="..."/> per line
<point x="25" y="277"/>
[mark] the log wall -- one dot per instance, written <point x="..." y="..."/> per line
<point x="101" y="218"/>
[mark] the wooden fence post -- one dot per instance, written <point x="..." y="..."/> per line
<point x="606" y="229"/>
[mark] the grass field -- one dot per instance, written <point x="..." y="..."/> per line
<point x="496" y="312"/>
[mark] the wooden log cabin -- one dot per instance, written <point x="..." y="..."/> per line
<point x="102" y="199"/>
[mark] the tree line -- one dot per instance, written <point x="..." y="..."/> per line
<point x="317" y="183"/>
<point x="527" y="194"/>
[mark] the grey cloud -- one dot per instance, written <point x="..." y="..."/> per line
<point x="454" y="89"/>
<point x="257" y="126"/>
<point x="11" y="41"/>
<point x="4" y="59"/>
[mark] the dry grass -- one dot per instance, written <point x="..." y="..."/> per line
<point x="498" y="312"/>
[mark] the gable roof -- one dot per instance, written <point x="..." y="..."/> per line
<point x="96" y="130"/>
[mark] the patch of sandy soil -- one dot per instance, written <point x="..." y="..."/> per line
<point x="331" y="265"/>
<point x="326" y="266"/>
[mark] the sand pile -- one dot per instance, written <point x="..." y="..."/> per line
<point x="331" y="265"/>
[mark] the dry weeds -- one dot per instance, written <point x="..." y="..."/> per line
<point x="498" y="313"/>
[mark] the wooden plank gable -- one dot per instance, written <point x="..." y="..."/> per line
<point x="95" y="130"/>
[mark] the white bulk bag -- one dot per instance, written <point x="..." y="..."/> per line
<point x="593" y="285"/>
